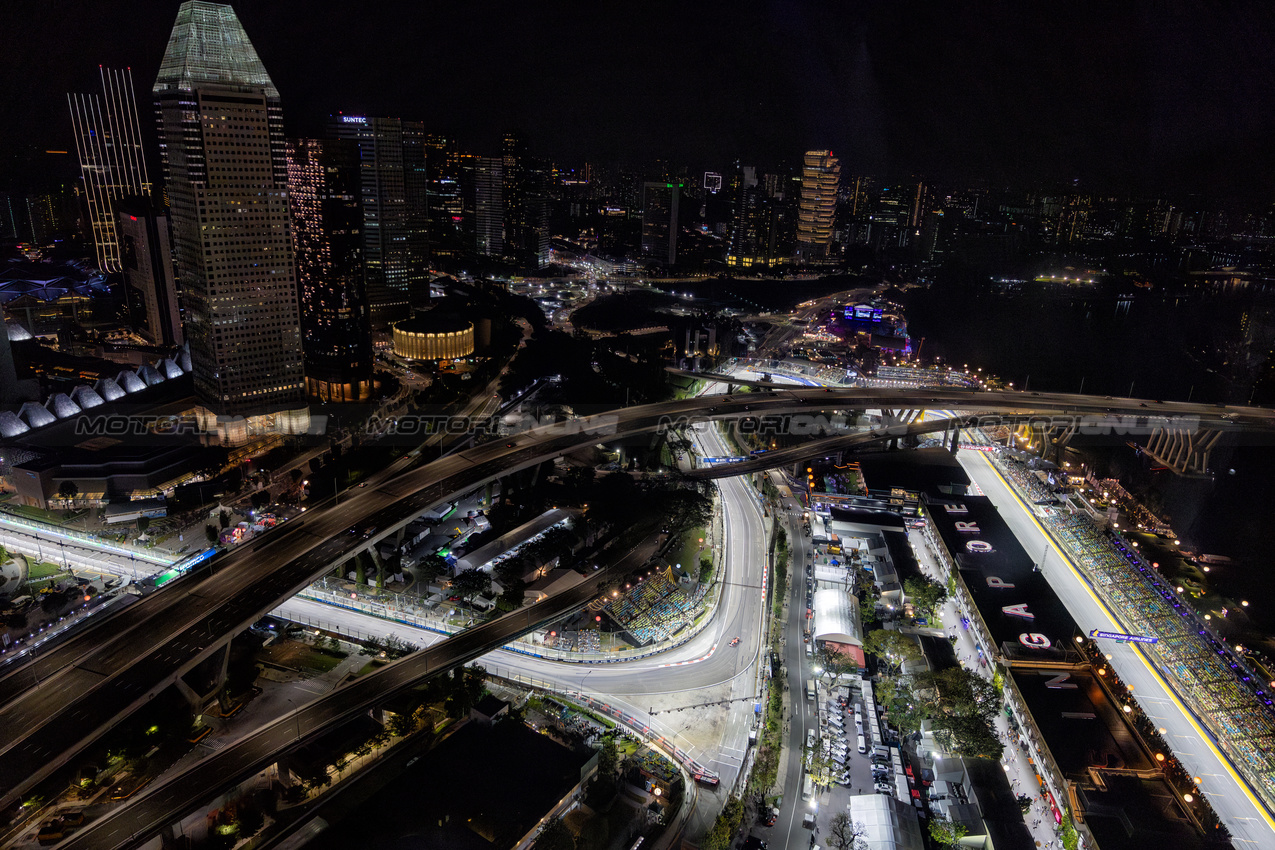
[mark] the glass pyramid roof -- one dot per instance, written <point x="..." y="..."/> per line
<point x="209" y="45"/>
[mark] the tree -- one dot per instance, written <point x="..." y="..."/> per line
<point x="470" y="583"/>
<point x="834" y="664"/>
<point x="967" y="736"/>
<point x="554" y="836"/>
<point x="143" y="523"/>
<point x="868" y="608"/>
<point x="820" y="766"/>
<point x="844" y="834"/>
<point x="432" y="566"/>
<point x="68" y="490"/>
<point x="210" y="534"/>
<point x="603" y="789"/>
<point x="894" y="648"/>
<point x="925" y="593"/>
<point x="608" y="757"/>
<point x="969" y="693"/>
<point x="687" y="509"/>
<point x="224" y="519"/>
<point x="946" y="833"/>
<point x="962" y="706"/>
<point x="402" y="724"/>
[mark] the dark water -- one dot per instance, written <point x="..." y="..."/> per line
<point x="1165" y="347"/>
<point x="1168" y="348"/>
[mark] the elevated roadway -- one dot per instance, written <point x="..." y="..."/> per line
<point x="175" y="795"/>
<point x="90" y="683"/>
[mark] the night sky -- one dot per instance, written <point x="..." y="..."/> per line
<point x="1138" y="96"/>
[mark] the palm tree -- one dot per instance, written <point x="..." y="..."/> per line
<point x="68" y="490"/>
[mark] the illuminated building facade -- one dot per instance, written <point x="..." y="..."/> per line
<point x="489" y="207"/>
<point x="820" y="175"/>
<point x="659" y="221"/>
<point x="225" y="167"/>
<point x="431" y="337"/>
<point x="445" y="205"/>
<point x="146" y="256"/>
<point x="108" y="140"/>
<point x="393" y="185"/>
<point x="327" y="227"/>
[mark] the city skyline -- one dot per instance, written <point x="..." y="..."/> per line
<point x="1130" y="101"/>
<point x="529" y="406"/>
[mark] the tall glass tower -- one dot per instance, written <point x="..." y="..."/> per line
<point x="225" y="166"/>
<point x="394" y="187"/>
<point x="659" y="221"/>
<point x="108" y="140"/>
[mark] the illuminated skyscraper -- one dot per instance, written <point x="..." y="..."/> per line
<point x="445" y="200"/>
<point x="327" y="226"/>
<point x="146" y="255"/>
<point x="221" y="137"/>
<point x="819" y="178"/>
<point x="659" y="221"/>
<point x="514" y="192"/>
<point x="108" y="140"/>
<point x="393" y="187"/>
<point x="489" y="207"/>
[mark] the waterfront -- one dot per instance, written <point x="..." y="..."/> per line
<point x="1153" y="343"/>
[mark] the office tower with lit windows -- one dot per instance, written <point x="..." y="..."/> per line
<point x="659" y="221"/>
<point x="225" y="168"/>
<point x="514" y="192"/>
<point x="146" y="258"/>
<point x="489" y="207"/>
<point x="416" y="201"/>
<point x="445" y="199"/>
<point x="820" y="175"/>
<point x="392" y="167"/>
<point x="108" y="140"/>
<point x="327" y="228"/>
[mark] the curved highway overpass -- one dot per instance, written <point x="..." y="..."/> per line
<point x="88" y="684"/>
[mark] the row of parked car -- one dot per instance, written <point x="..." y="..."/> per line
<point x="836" y="744"/>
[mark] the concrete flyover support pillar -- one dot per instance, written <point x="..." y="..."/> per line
<point x="1185" y="452"/>
<point x="209" y="680"/>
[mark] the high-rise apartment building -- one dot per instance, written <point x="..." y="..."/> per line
<point x="489" y="208"/>
<point x="324" y="191"/>
<point x="659" y="221"/>
<point x="146" y="258"/>
<point x="820" y="175"/>
<point x="108" y="140"/>
<point x="393" y="186"/>
<point x="225" y="168"/>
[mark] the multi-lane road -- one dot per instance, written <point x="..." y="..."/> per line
<point x="90" y="684"/>
<point x="705" y="664"/>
